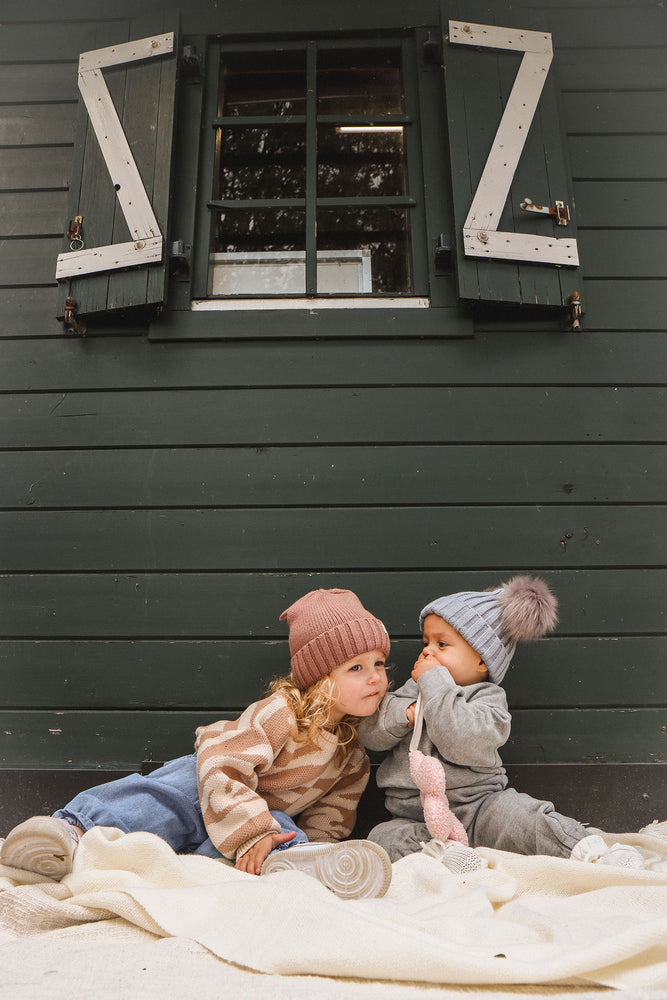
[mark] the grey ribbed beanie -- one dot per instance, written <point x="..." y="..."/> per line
<point x="493" y="621"/>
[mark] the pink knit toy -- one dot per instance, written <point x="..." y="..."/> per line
<point x="429" y="776"/>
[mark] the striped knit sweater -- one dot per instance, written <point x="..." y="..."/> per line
<point x="253" y="764"/>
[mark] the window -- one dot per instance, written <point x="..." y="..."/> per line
<point x="314" y="160"/>
<point x="330" y="170"/>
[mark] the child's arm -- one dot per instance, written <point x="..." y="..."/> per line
<point x="230" y="756"/>
<point x="466" y="724"/>
<point x="333" y="816"/>
<point x="392" y="722"/>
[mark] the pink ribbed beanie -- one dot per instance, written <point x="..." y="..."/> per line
<point x="327" y="628"/>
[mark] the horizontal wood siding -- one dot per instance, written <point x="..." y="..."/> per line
<point x="162" y="501"/>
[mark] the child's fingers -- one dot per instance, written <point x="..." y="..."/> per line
<point x="282" y="838"/>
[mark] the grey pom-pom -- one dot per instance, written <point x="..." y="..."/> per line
<point x="529" y="608"/>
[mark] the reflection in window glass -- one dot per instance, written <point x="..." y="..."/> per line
<point x="383" y="232"/>
<point x="360" y="163"/>
<point x="244" y="229"/>
<point x="262" y="162"/>
<point x="260" y="247"/>
<point x="267" y="83"/>
<point x="359" y="82"/>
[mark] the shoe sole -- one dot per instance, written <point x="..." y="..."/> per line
<point x="353" y="869"/>
<point x="39" y="846"/>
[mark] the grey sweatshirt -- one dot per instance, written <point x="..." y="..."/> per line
<point x="463" y="729"/>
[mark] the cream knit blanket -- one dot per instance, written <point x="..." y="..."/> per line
<point x="524" y="920"/>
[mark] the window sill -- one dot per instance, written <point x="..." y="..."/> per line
<point x="304" y="319"/>
<point x="312" y="305"/>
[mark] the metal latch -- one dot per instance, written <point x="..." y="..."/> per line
<point x="560" y="210"/>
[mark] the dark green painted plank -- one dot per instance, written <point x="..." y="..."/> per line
<point x="36" y="124"/>
<point x="591" y="672"/>
<point x="619" y="68"/>
<point x="310" y="323"/>
<point x="622" y="253"/>
<point x="23" y="83"/>
<point x="30" y="43"/>
<point x="29" y="313"/>
<point x="28" y="168"/>
<point x="338" y="538"/>
<point x="332" y="416"/>
<point x="632" y="305"/>
<point x="408" y="474"/>
<point x="592" y="736"/>
<point x="626" y="305"/>
<point x="629" y="24"/>
<point x="261" y="17"/>
<point x="527" y="357"/>
<point x="622" y="204"/>
<point x="615" y="112"/>
<point x="125" y="739"/>
<point x="212" y="605"/>
<point x="33" y="213"/>
<point x="25" y="262"/>
<point x="622" y="157"/>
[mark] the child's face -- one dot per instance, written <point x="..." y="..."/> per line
<point x="359" y="685"/>
<point x="448" y="648"/>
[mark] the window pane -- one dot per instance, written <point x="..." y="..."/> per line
<point x="259" y="252"/>
<point x="267" y="162"/>
<point x="383" y="232"/>
<point x="360" y="163"/>
<point x="260" y="229"/>
<point x="353" y="82"/>
<point x="263" y="83"/>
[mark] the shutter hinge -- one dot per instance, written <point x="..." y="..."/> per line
<point x="560" y="211"/>
<point x="72" y="322"/>
<point x="443" y="256"/>
<point x="191" y="64"/>
<point x="179" y="258"/>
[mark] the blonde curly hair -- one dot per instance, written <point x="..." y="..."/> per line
<point x="312" y="710"/>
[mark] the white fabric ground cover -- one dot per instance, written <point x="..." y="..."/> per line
<point x="524" y="920"/>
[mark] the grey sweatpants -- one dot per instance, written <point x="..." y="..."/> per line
<point x="507" y="820"/>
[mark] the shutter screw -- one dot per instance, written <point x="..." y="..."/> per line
<point x="139" y="245"/>
<point x="467" y="29"/>
<point x="483" y="237"/>
<point x="154" y="43"/>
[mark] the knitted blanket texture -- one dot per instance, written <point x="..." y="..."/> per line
<point x="522" y="920"/>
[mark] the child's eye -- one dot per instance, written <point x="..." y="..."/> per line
<point x="357" y="666"/>
<point x="443" y="645"/>
<point x="380" y="664"/>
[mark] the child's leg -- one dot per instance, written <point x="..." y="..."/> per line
<point x="513" y="821"/>
<point x="165" y="802"/>
<point x="400" y="837"/>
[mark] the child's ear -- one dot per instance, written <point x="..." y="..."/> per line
<point x="482" y="669"/>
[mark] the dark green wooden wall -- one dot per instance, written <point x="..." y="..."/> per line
<point x="163" y="502"/>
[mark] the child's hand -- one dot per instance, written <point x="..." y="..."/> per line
<point x="423" y="663"/>
<point x="410" y="712"/>
<point x="253" y="859"/>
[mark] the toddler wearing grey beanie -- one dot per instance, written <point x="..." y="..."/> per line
<point x="469" y="639"/>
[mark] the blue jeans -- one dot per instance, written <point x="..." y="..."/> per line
<point x="165" y="802"/>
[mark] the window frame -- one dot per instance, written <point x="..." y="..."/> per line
<point x="410" y="119"/>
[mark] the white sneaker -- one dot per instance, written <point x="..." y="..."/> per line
<point x="454" y="856"/>
<point x="595" y="850"/>
<point x="44" y="845"/>
<point x="352" y="869"/>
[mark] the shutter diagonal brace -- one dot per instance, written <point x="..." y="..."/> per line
<point x="480" y="235"/>
<point x="147" y="243"/>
